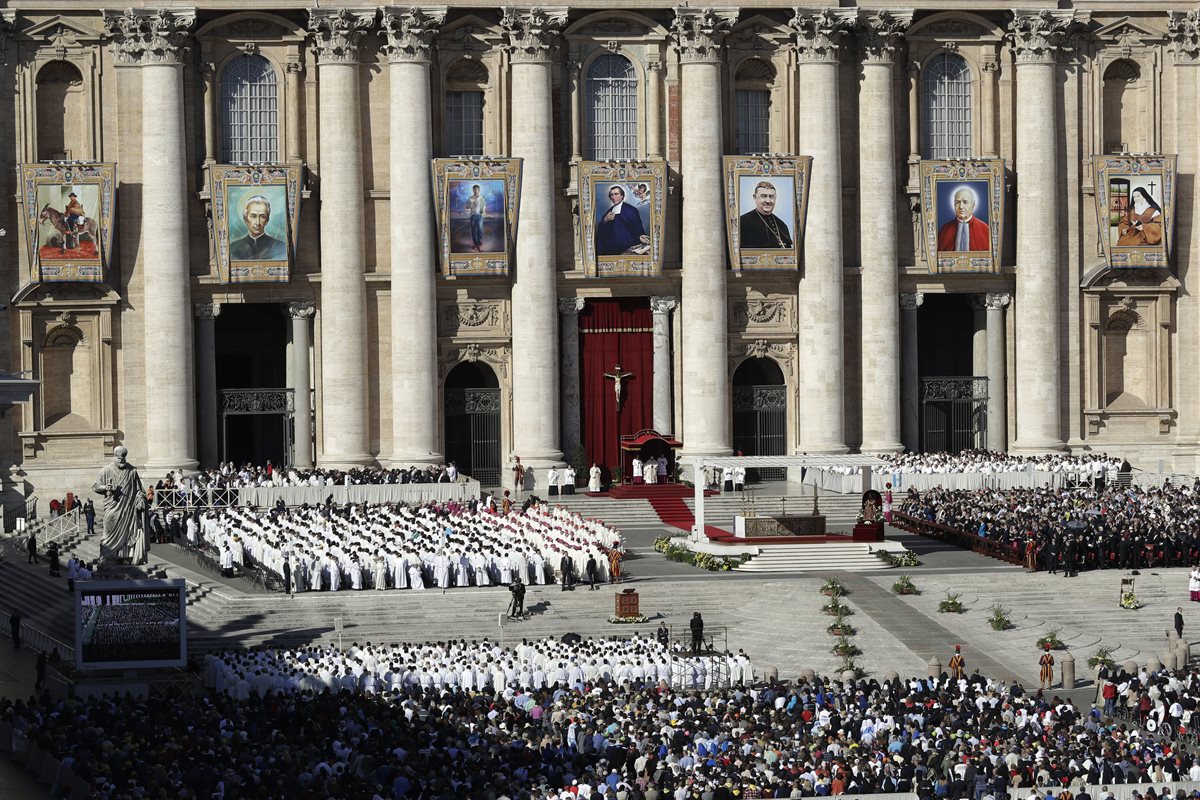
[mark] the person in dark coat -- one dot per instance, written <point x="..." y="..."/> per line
<point x="697" y="625"/>
<point x="565" y="567"/>
<point x="31" y="548"/>
<point x="593" y="572"/>
<point x="14" y="626"/>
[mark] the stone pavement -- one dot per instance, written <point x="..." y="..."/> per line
<point x="17" y="676"/>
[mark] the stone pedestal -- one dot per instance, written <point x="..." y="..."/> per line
<point x="415" y="397"/>
<point x="662" y="403"/>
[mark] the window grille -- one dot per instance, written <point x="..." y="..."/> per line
<point x="753" y="121"/>
<point x="464" y="123"/>
<point x="249" y="111"/>
<point x="611" y="109"/>
<point x="947" y="107"/>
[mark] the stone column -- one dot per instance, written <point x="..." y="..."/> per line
<point x="910" y="388"/>
<point x="654" y="120"/>
<point x="1035" y="41"/>
<point x="301" y="314"/>
<point x="343" y="395"/>
<point x="663" y="404"/>
<point x="979" y="334"/>
<point x="822" y="321"/>
<point x="997" y="357"/>
<point x="987" y="97"/>
<point x="568" y="327"/>
<point x="877" y="194"/>
<point x="294" y="88"/>
<point x="531" y="35"/>
<point x="410" y="33"/>
<point x="206" y="380"/>
<point x="707" y="424"/>
<point x="156" y="40"/>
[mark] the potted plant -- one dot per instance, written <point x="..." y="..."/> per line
<point x="832" y="587"/>
<point x="1103" y="657"/>
<point x="840" y="627"/>
<point x="836" y="608"/>
<point x="844" y="648"/>
<point x="952" y="604"/>
<point x="999" y="619"/>
<point x="904" y="585"/>
<point x="1051" y="638"/>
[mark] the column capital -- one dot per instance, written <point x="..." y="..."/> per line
<point x="530" y="34"/>
<point x="1183" y="31"/>
<point x="570" y="305"/>
<point x="1037" y="36"/>
<point x="911" y="301"/>
<point x="699" y="33"/>
<point x="206" y="310"/>
<point x="410" y="32"/>
<point x="663" y="305"/>
<point x="337" y="33"/>
<point x="879" y="33"/>
<point x="996" y="301"/>
<point x="819" y="33"/>
<point x="149" y="36"/>
<point x="302" y="309"/>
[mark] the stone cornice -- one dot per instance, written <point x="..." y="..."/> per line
<point x="699" y="33"/>
<point x="531" y="34"/>
<point x="819" y="33"/>
<point x="149" y="36"/>
<point x="879" y="32"/>
<point x="410" y="32"/>
<point x="1183" y="30"/>
<point x="337" y="33"/>
<point x="1037" y="36"/>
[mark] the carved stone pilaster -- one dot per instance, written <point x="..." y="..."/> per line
<point x="410" y="32"/>
<point x="303" y="309"/>
<point x="880" y="32"/>
<point x="911" y="301"/>
<point x="1036" y="37"/>
<point x="699" y="33"/>
<point x="337" y="33"/>
<point x="1183" y="31"/>
<point x="149" y="36"/>
<point x="205" y="311"/>
<point x="531" y="34"/>
<point x="663" y="305"/>
<point x="819" y="33"/>
<point x="996" y="300"/>
<point x="570" y="305"/>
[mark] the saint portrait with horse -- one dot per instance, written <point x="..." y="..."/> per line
<point x="73" y="231"/>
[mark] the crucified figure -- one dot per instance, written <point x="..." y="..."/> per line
<point x="617" y="376"/>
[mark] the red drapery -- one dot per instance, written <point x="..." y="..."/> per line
<point x="612" y="332"/>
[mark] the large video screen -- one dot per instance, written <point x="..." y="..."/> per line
<point x="130" y="624"/>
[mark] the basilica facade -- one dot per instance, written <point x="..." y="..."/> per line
<point x="360" y="235"/>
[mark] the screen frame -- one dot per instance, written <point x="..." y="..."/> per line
<point x="178" y="586"/>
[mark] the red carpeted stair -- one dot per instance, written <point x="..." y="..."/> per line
<point x="672" y="511"/>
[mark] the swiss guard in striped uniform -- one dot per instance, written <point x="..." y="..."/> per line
<point x="1046" y="675"/>
<point x="957" y="663"/>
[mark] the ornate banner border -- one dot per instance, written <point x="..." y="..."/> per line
<point x="449" y="169"/>
<point x="799" y="168"/>
<point x="222" y="178"/>
<point x="651" y="173"/>
<point x="1109" y="173"/>
<point x="934" y="174"/>
<point x="100" y="174"/>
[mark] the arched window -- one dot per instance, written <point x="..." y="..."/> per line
<point x="62" y="115"/>
<point x="1126" y="129"/>
<point x="249" y="111"/>
<point x="947" y="107"/>
<point x="752" y="100"/>
<point x="466" y="81"/>
<point x="611" y="109"/>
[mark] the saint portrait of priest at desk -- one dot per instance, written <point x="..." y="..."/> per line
<point x="760" y="228"/>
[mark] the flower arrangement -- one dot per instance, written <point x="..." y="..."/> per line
<point x="707" y="561"/>
<point x="832" y="587"/>
<point x="952" y="604"/>
<point x="844" y="648"/>
<point x="640" y="618"/>
<point x="1051" y="638"/>
<point x="840" y="627"/>
<point x="999" y="619"/>
<point x="850" y="665"/>
<point x="1130" y="601"/>
<point x="905" y="585"/>
<point x="869" y="517"/>
<point x="836" y="608"/>
<point x="1103" y="657"/>
<point x="899" y="558"/>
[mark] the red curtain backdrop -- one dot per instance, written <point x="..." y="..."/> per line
<point x="615" y="332"/>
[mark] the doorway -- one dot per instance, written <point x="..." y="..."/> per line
<point x="251" y="345"/>
<point x="472" y="425"/>
<point x="760" y="415"/>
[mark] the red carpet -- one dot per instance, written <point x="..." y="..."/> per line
<point x="629" y="491"/>
<point x="673" y="512"/>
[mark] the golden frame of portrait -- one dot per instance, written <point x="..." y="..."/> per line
<point x="1119" y="179"/>
<point x="940" y="180"/>
<point x="742" y="173"/>
<point x="645" y="178"/>
<point x="454" y="221"/>
<point x="56" y="254"/>
<point x="229" y="187"/>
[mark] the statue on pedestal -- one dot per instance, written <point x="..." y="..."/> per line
<point x="124" y="508"/>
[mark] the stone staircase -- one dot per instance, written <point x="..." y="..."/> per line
<point x="619" y="514"/>
<point x="851" y="557"/>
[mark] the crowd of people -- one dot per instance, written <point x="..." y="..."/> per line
<point x="547" y="720"/>
<point x="130" y="631"/>
<point x="401" y="546"/>
<point x="1075" y="529"/>
<point x="990" y="462"/>
<point x="232" y="476"/>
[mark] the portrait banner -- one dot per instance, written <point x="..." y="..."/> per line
<point x="476" y="202"/>
<point x="68" y="219"/>
<point x="962" y="214"/>
<point x="766" y="201"/>
<point x="622" y="206"/>
<point x="1135" y="207"/>
<point x="255" y="221"/>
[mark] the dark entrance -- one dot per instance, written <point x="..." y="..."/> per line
<point x="251" y="344"/>
<point x="472" y="403"/>
<point x="760" y="415"/>
<point x="953" y="409"/>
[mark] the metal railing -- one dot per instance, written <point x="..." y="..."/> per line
<point x="60" y="527"/>
<point x="191" y="499"/>
<point x="38" y="640"/>
<point x="25" y="510"/>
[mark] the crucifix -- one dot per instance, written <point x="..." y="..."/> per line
<point x="617" y="376"/>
